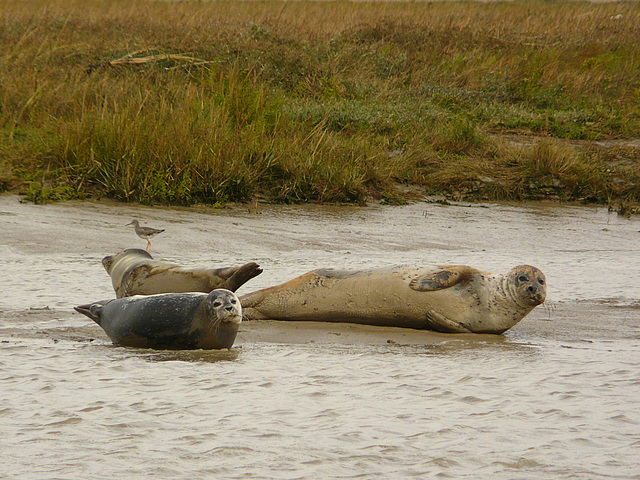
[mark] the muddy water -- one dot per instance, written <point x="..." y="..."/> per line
<point x="558" y="396"/>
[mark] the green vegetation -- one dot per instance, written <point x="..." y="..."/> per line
<point x="184" y="102"/>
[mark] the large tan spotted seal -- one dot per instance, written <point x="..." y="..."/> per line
<point x="135" y="272"/>
<point x="455" y="299"/>
<point x="169" y="320"/>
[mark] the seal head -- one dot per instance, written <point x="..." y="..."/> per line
<point x="527" y="285"/>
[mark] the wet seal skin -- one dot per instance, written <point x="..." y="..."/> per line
<point x="135" y="272"/>
<point x="175" y="321"/>
<point x="452" y="299"/>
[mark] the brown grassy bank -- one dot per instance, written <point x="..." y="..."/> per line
<point x="183" y="102"/>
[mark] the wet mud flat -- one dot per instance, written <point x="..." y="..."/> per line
<point x="557" y="396"/>
<point x="571" y="323"/>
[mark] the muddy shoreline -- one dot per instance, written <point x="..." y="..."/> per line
<point x="51" y="255"/>
<point x="570" y="322"/>
<point x="556" y="396"/>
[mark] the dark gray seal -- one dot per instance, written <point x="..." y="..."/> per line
<point x="174" y="321"/>
<point x="135" y="272"/>
<point x="454" y="299"/>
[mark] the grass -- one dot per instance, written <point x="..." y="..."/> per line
<point x="187" y="102"/>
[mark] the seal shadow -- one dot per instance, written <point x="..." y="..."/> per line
<point x="191" y="356"/>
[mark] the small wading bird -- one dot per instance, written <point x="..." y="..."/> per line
<point x="144" y="232"/>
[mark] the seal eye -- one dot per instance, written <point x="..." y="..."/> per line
<point x="540" y="281"/>
<point x="217" y="303"/>
<point x="233" y="300"/>
<point x="523" y="278"/>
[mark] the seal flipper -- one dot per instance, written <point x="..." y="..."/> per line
<point x="91" y="310"/>
<point x="440" y="323"/>
<point x="241" y="275"/>
<point x="445" y="278"/>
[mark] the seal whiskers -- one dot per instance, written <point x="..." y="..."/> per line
<point x="227" y="310"/>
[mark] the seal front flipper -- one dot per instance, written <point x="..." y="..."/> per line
<point x="445" y="278"/>
<point x="442" y="324"/>
<point x="92" y="310"/>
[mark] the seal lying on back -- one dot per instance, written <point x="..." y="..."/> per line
<point x="135" y="272"/>
<point x="454" y="299"/>
<point x="169" y="320"/>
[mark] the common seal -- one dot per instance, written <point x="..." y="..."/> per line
<point x="454" y="299"/>
<point x="135" y="272"/>
<point x="169" y="320"/>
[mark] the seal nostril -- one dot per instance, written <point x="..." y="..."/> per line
<point x="531" y="289"/>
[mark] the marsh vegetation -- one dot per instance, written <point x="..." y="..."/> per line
<point x="185" y="102"/>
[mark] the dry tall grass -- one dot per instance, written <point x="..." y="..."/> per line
<point x="187" y="101"/>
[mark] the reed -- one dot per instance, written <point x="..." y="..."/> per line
<point x="186" y="102"/>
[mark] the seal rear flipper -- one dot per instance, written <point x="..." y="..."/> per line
<point x="91" y="310"/>
<point x="241" y="276"/>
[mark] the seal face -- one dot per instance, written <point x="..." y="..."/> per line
<point x="529" y="285"/>
<point x="170" y="320"/>
<point x="454" y="299"/>
<point x="135" y="272"/>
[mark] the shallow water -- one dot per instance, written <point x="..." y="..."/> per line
<point x="558" y="396"/>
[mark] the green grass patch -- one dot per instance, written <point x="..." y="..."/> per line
<point x="189" y="102"/>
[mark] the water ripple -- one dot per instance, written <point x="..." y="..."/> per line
<point x="557" y="397"/>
